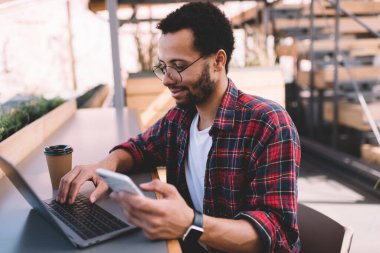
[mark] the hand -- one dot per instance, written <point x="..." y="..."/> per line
<point x="165" y="218"/>
<point x="72" y="181"/>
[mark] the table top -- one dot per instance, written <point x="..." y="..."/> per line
<point x="91" y="133"/>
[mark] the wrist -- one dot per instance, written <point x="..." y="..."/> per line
<point x="195" y="230"/>
<point x="112" y="161"/>
<point x="189" y="220"/>
<point x="105" y="164"/>
<point x="120" y="160"/>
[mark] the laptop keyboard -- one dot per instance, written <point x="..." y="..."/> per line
<point x="86" y="219"/>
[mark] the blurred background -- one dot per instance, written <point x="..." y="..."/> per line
<point x="319" y="59"/>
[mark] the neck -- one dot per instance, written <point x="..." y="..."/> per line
<point x="207" y="110"/>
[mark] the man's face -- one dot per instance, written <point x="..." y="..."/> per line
<point x="176" y="50"/>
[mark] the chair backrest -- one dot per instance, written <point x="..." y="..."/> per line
<point x="321" y="234"/>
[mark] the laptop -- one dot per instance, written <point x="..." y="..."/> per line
<point x="83" y="223"/>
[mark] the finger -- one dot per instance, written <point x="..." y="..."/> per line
<point x="64" y="185"/>
<point x="134" y="217"/>
<point x="101" y="188"/>
<point x="151" y="226"/>
<point x="156" y="185"/>
<point x="139" y="219"/>
<point x="134" y="220"/>
<point x="82" y="177"/>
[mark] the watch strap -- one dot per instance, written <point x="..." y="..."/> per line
<point x="198" y="219"/>
<point x="195" y="231"/>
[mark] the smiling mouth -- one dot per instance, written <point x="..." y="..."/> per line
<point x="177" y="92"/>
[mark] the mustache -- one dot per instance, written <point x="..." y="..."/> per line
<point x="179" y="87"/>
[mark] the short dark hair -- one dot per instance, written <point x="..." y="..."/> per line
<point x="211" y="29"/>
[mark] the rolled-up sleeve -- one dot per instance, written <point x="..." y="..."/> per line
<point x="272" y="192"/>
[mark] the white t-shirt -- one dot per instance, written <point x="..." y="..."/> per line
<point x="195" y="166"/>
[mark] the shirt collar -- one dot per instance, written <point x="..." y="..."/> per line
<point x="225" y="115"/>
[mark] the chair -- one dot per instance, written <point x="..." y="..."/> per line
<point x="321" y="234"/>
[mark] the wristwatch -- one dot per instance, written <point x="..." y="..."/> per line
<point x="195" y="231"/>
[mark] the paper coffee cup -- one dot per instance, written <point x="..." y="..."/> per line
<point x="59" y="160"/>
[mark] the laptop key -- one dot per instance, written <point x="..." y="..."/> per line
<point x="86" y="219"/>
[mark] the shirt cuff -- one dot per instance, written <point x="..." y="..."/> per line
<point x="135" y="153"/>
<point x="258" y="219"/>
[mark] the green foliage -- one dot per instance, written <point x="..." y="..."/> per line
<point x="17" y="118"/>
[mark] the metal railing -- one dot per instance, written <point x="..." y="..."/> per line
<point x="341" y="58"/>
<point x="346" y="65"/>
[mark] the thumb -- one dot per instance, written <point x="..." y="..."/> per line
<point x="163" y="188"/>
<point x="100" y="189"/>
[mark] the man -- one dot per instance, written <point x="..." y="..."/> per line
<point x="232" y="159"/>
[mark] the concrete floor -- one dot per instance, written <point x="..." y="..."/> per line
<point x="343" y="202"/>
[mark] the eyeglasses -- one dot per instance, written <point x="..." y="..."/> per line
<point x="173" y="72"/>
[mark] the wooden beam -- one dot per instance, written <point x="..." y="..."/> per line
<point x="99" y="5"/>
<point x="322" y="8"/>
<point x="157" y="108"/>
<point x="355" y="7"/>
<point x="370" y="153"/>
<point x="352" y="115"/>
<point x="288" y="50"/>
<point x="324" y="78"/>
<point x="359" y="52"/>
<point x="260" y="81"/>
<point x="355" y="47"/>
<point x="247" y="16"/>
<point x="302" y="47"/>
<point x="347" y="25"/>
<point x="151" y="99"/>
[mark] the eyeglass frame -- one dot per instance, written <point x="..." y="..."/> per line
<point x="178" y="71"/>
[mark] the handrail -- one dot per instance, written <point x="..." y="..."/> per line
<point x="336" y="74"/>
<point x="311" y="75"/>
<point x="338" y="56"/>
<point x="355" y="18"/>
<point x="362" y="101"/>
<point x="359" y="94"/>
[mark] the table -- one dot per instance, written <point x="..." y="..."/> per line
<point x="92" y="133"/>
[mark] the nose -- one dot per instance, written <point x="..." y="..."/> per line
<point x="168" y="80"/>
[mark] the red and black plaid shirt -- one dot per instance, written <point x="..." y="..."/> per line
<point x="252" y="166"/>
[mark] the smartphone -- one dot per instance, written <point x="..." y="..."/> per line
<point x="119" y="182"/>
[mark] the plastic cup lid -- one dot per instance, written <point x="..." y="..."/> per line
<point x="58" y="150"/>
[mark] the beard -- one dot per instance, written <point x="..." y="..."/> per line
<point x="200" y="91"/>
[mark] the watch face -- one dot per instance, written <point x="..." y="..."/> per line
<point x="194" y="233"/>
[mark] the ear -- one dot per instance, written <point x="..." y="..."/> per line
<point x="220" y="60"/>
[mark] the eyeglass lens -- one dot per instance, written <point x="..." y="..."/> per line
<point x="171" y="72"/>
